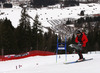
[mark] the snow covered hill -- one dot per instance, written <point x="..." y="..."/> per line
<point x="47" y="64"/>
<point x="46" y="14"/>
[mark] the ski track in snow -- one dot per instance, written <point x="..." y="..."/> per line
<point x="47" y="64"/>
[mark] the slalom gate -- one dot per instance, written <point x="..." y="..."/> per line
<point x="61" y="46"/>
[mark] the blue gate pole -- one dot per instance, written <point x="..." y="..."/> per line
<point x="57" y="50"/>
<point x="65" y="49"/>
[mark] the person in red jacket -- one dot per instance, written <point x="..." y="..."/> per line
<point x="81" y="39"/>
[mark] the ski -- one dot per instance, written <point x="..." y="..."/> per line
<point x="78" y="61"/>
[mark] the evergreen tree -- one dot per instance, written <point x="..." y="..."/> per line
<point x="36" y="29"/>
<point x="23" y="32"/>
<point x="70" y="3"/>
<point x="7" y="37"/>
<point x="45" y="40"/>
<point x="40" y="41"/>
<point x="99" y="39"/>
<point x="2" y="1"/>
<point x="96" y="37"/>
<point x="82" y="13"/>
<point x="50" y="41"/>
<point x="44" y="3"/>
<point x="1" y="47"/>
<point x="73" y="39"/>
<point x="68" y="22"/>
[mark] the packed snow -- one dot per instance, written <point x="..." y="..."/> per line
<point x="48" y="64"/>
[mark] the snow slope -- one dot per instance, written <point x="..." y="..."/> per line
<point x="45" y="14"/>
<point x="47" y="64"/>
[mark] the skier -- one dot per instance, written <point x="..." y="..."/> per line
<point x="81" y="39"/>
